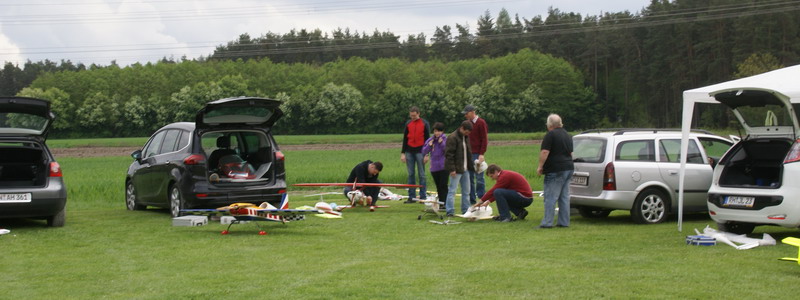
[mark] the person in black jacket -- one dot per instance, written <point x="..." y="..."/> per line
<point x="458" y="162"/>
<point x="366" y="172"/>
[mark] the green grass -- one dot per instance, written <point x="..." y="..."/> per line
<point x="282" y="140"/>
<point x="105" y="251"/>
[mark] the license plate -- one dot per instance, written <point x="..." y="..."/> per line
<point x="740" y="201"/>
<point x="15" y="198"/>
<point x="580" y="180"/>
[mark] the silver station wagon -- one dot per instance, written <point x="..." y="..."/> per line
<point x="637" y="170"/>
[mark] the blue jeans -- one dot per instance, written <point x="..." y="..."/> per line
<point x="449" y="205"/>
<point x="510" y="201"/>
<point x="556" y="189"/>
<point x="416" y="160"/>
<point x="477" y="182"/>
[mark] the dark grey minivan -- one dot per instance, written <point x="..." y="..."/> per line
<point x="31" y="182"/>
<point x="228" y="155"/>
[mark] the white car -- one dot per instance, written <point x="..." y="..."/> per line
<point x="637" y="170"/>
<point x="752" y="184"/>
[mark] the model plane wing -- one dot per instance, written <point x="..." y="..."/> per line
<point x="397" y="185"/>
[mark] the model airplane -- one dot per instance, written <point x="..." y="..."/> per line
<point x="478" y="213"/>
<point x="250" y="212"/>
<point x="356" y="195"/>
<point x="386" y="194"/>
<point x="432" y="206"/>
<point x="731" y="239"/>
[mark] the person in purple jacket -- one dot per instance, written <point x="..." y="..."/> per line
<point x="434" y="147"/>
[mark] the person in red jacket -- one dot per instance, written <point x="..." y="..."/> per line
<point x="478" y="141"/>
<point x="511" y="192"/>
<point x="417" y="130"/>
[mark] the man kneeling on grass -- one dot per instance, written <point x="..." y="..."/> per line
<point x="511" y="192"/>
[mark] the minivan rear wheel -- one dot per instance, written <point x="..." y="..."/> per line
<point x="593" y="212"/>
<point x="650" y="207"/>
<point x="175" y="201"/>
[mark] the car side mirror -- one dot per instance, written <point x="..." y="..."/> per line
<point x="137" y="155"/>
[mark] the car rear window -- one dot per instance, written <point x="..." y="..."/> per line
<point x="588" y="150"/>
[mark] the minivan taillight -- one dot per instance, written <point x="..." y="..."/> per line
<point x="794" y="153"/>
<point x="55" y="170"/>
<point x="609" y="179"/>
<point x="194" y="159"/>
<point x="279" y="156"/>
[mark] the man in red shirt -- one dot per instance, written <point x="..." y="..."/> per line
<point x="416" y="132"/>
<point x="478" y="140"/>
<point x="511" y="192"/>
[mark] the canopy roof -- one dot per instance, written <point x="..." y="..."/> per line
<point x="785" y="81"/>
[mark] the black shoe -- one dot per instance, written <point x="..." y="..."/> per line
<point x="522" y="215"/>
<point x="409" y="201"/>
<point x="545" y="227"/>
<point x="504" y="220"/>
<point x="496" y="218"/>
<point x="449" y="215"/>
<point x="559" y="225"/>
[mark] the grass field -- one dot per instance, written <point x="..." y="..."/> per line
<point x="282" y="140"/>
<point x="105" y="251"/>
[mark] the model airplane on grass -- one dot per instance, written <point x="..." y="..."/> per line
<point x="265" y="212"/>
<point x="731" y="239"/>
<point x="432" y="206"/>
<point x="356" y="195"/>
<point x="478" y="213"/>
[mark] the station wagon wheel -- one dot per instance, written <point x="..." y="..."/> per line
<point x="650" y="207"/>
<point x="130" y="198"/>
<point x="175" y="201"/>
<point x="593" y="212"/>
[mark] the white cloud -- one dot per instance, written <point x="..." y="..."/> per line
<point x="129" y="31"/>
<point x="9" y="52"/>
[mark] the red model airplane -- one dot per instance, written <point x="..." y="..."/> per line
<point x="250" y="212"/>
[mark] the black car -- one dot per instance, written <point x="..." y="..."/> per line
<point x="228" y="155"/>
<point x="31" y="182"/>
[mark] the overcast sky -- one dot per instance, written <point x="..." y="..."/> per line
<point x="129" y="31"/>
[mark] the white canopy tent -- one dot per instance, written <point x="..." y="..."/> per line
<point x="784" y="83"/>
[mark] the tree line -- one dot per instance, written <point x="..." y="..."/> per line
<point x="621" y="69"/>
<point x="345" y="96"/>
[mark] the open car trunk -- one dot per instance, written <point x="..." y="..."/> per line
<point x="239" y="157"/>
<point x="755" y="163"/>
<point x="22" y="167"/>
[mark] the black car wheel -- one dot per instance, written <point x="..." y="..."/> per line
<point x="650" y="207"/>
<point x="130" y="198"/>
<point x="735" y="227"/>
<point x="593" y="212"/>
<point x="58" y="219"/>
<point x="175" y="201"/>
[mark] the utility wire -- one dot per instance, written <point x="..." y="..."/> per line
<point x="538" y="30"/>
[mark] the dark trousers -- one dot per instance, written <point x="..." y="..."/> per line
<point x="368" y="191"/>
<point x="440" y="178"/>
<point x="510" y="201"/>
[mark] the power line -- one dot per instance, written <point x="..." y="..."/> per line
<point x="288" y="47"/>
<point x="233" y="12"/>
